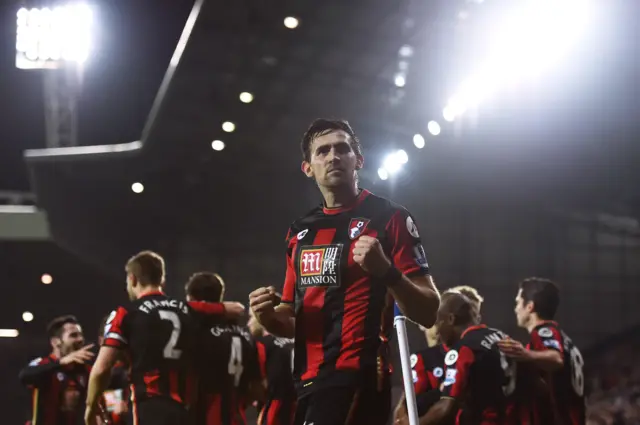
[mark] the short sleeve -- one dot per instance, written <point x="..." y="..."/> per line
<point x="546" y="338"/>
<point x="458" y="365"/>
<point x="419" y="375"/>
<point x="116" y="331"/>
<point x="288" y="289"/>
<point x="407" y="252"/>
<point x="203" y="307"/>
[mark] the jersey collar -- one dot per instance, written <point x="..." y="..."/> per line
<point x="147" y="294"/>
<point x="546" y="323"/>
<point x="333" y="211"/>
<point x="472" y="328"/>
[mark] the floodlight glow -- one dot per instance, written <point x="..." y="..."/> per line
<point x="433" y="127"/>
<point x="217" y="145"/>
<point x="46" y="279"/>
<point x="9" y="333"/>
<point x="402" y="156"/>
<point x="137" y="187"/>
<point x="291" y="22"/>
<point x="44" y="37"/>
<point x="27" y="316"/>
<point x="394" y="161"/>
<point x="418" y="141"/>
<point x="228" y="126"/>
<point x="246" y="97"/>
<point x="406" y="51"/>
<point x="448" y="114"/>
<point x="530" y="40"/>
<point x="383" y="174"/>
<point x="399" y="80"/>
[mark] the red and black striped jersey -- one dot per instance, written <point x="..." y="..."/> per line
<point x="481" y="377"/>
<point x="159" y="335"/>
<point x="427" y="368"/>
<point x="276" y="366"/>
<point x="566" y="386"/>
<point x="57" y="392"/>
<point x="344" y="316"/>
<point x="228" y="366"/>
<point x="117" y="394"/>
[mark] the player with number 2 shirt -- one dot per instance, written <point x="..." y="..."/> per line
<point x="550" y="350"/>
<point x="477" y="376"/>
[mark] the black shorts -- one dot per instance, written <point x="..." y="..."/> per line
<point x="347" y="405"/>
<point x="159" y="411"/>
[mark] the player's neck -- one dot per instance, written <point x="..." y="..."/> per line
<point x="339" y="197"/>
<point x="534" y="323"/>
<point x="148" y="290"/>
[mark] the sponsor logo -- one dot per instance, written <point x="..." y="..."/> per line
<point x="420" y="256"/>
<point x="552" y="343"/>
<point x="414" y="360"/>
<point x="357" y="226"/>
<point x="437" y="372"/>
<point x="414" y="376"/>
<point x="60" y="376"/>
<point x="302" y="234"/>
<point x="412" y="228"/>
<point x="545" y="332"/>
<point x="320" y="266"/>
<point x="450" y="379"/>
<point x="451" y="358"/>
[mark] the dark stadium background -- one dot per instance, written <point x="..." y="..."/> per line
<point x="545" y="183"/>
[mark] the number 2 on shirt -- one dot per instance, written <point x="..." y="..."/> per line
<point x="170" y="350"/>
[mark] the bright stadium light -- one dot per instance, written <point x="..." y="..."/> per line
<point x="448" y="114"/>
<point x="402" y="156"/>
<point x="47" y="37"/>
<point x="383" y="174"/>
<point x="246" y="97"/>
<point x="394" y="162"/>
<point x="534" y="37"/>
<point x="291" y="22"/>
<point x="9" y="333"/>
<point x="418" y="141"/>
<point x="217" y="145"/>
<point x="399" y="80"/>
<point x="27" y="316"/>
<point x="137" y="187"/>
<point x="433" y="127"/>
<point x="46" y="279"/>
<point x="228" y="126"/>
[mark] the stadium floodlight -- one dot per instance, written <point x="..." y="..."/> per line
<point x="137" y="187"/>
<point x="418" y="141"/>
<point x="394" y="162"/>
<point x="434" y="128"/>
<point x="217" y="145"/>
<point x="46" y="279"/>
<point x="9" y="333"/>
<point x="530" y="39"/>
<point x="383" y="173"/>
<point x="291" y="22"/>
<point x="246" y="97"/>
<point x="400" y="80"/>
<point x="45" y="38"/>
<point x="228" y="126"/>
<point x="27" y="316"/>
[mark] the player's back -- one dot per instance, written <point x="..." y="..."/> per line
<point x="481" y="377"/>
<point x="160" y="335"/>
<point x="276" y="361"/>
<point x="566" y="386"/>
<point x="228" y="366"/>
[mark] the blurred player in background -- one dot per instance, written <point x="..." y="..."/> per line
<point x="58" y="382"/>
<point x="427" y="366"/>
<point x="157" y="333"/>
<point x="276" y="367"/>
<point x="550" y="350"/>
<point x="117" y="394"/>
<point x="228" y="365"/>
<point x="477" y="377"/>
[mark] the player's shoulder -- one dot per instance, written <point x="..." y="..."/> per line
<point x="547" y="330"/>
<point x="433" y="354"/>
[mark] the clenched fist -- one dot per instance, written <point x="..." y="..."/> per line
<point x="262" y="301"/>
<point x="368" y="253"/>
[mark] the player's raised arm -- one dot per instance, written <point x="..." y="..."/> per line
<point x="280" y="320"/>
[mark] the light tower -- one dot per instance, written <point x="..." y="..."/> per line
<point x="56" y="41"/>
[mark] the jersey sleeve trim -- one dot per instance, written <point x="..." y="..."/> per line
<point x="115" y="332"/>
<point x="407" y="252"/>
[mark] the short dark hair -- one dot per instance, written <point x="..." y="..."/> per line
<point x="323" y="126"/>
<point x="147" y="267"/>
<point x="463" y="309"/>
<point x="205" y="286"/>
<point x="55" y="328"/>
<point x="544" y="294"/>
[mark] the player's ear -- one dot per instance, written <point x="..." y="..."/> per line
<point x="359" y="162"/>
<point x="529" y="307"/>
<point x="306" y="169"/>
<point x="55" y="342"/>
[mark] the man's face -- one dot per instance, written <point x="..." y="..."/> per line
<point x="332" y="161"/>
<point x="523" y="310"/>
<point x="71" y="339"/>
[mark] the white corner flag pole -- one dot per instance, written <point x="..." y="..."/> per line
<point x="400" y="323"/>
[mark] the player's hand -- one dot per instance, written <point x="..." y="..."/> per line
<point x="368" y="253"/>
<point x="514" y="349"/>
<point x="80" y="356"/>
<point x="262" y="302"/>
<point x="233" y="309"/>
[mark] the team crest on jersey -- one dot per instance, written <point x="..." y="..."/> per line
<point x="60" y="376"/>
<point x="357" y="226"/>
<point x="414" y="360"/>
<point x="320" y="266"/>
<point x="451" y="357"/>
<point x="437" y="372"/>
<point x="35" y="362"/>
<point x="545" y="332"/>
